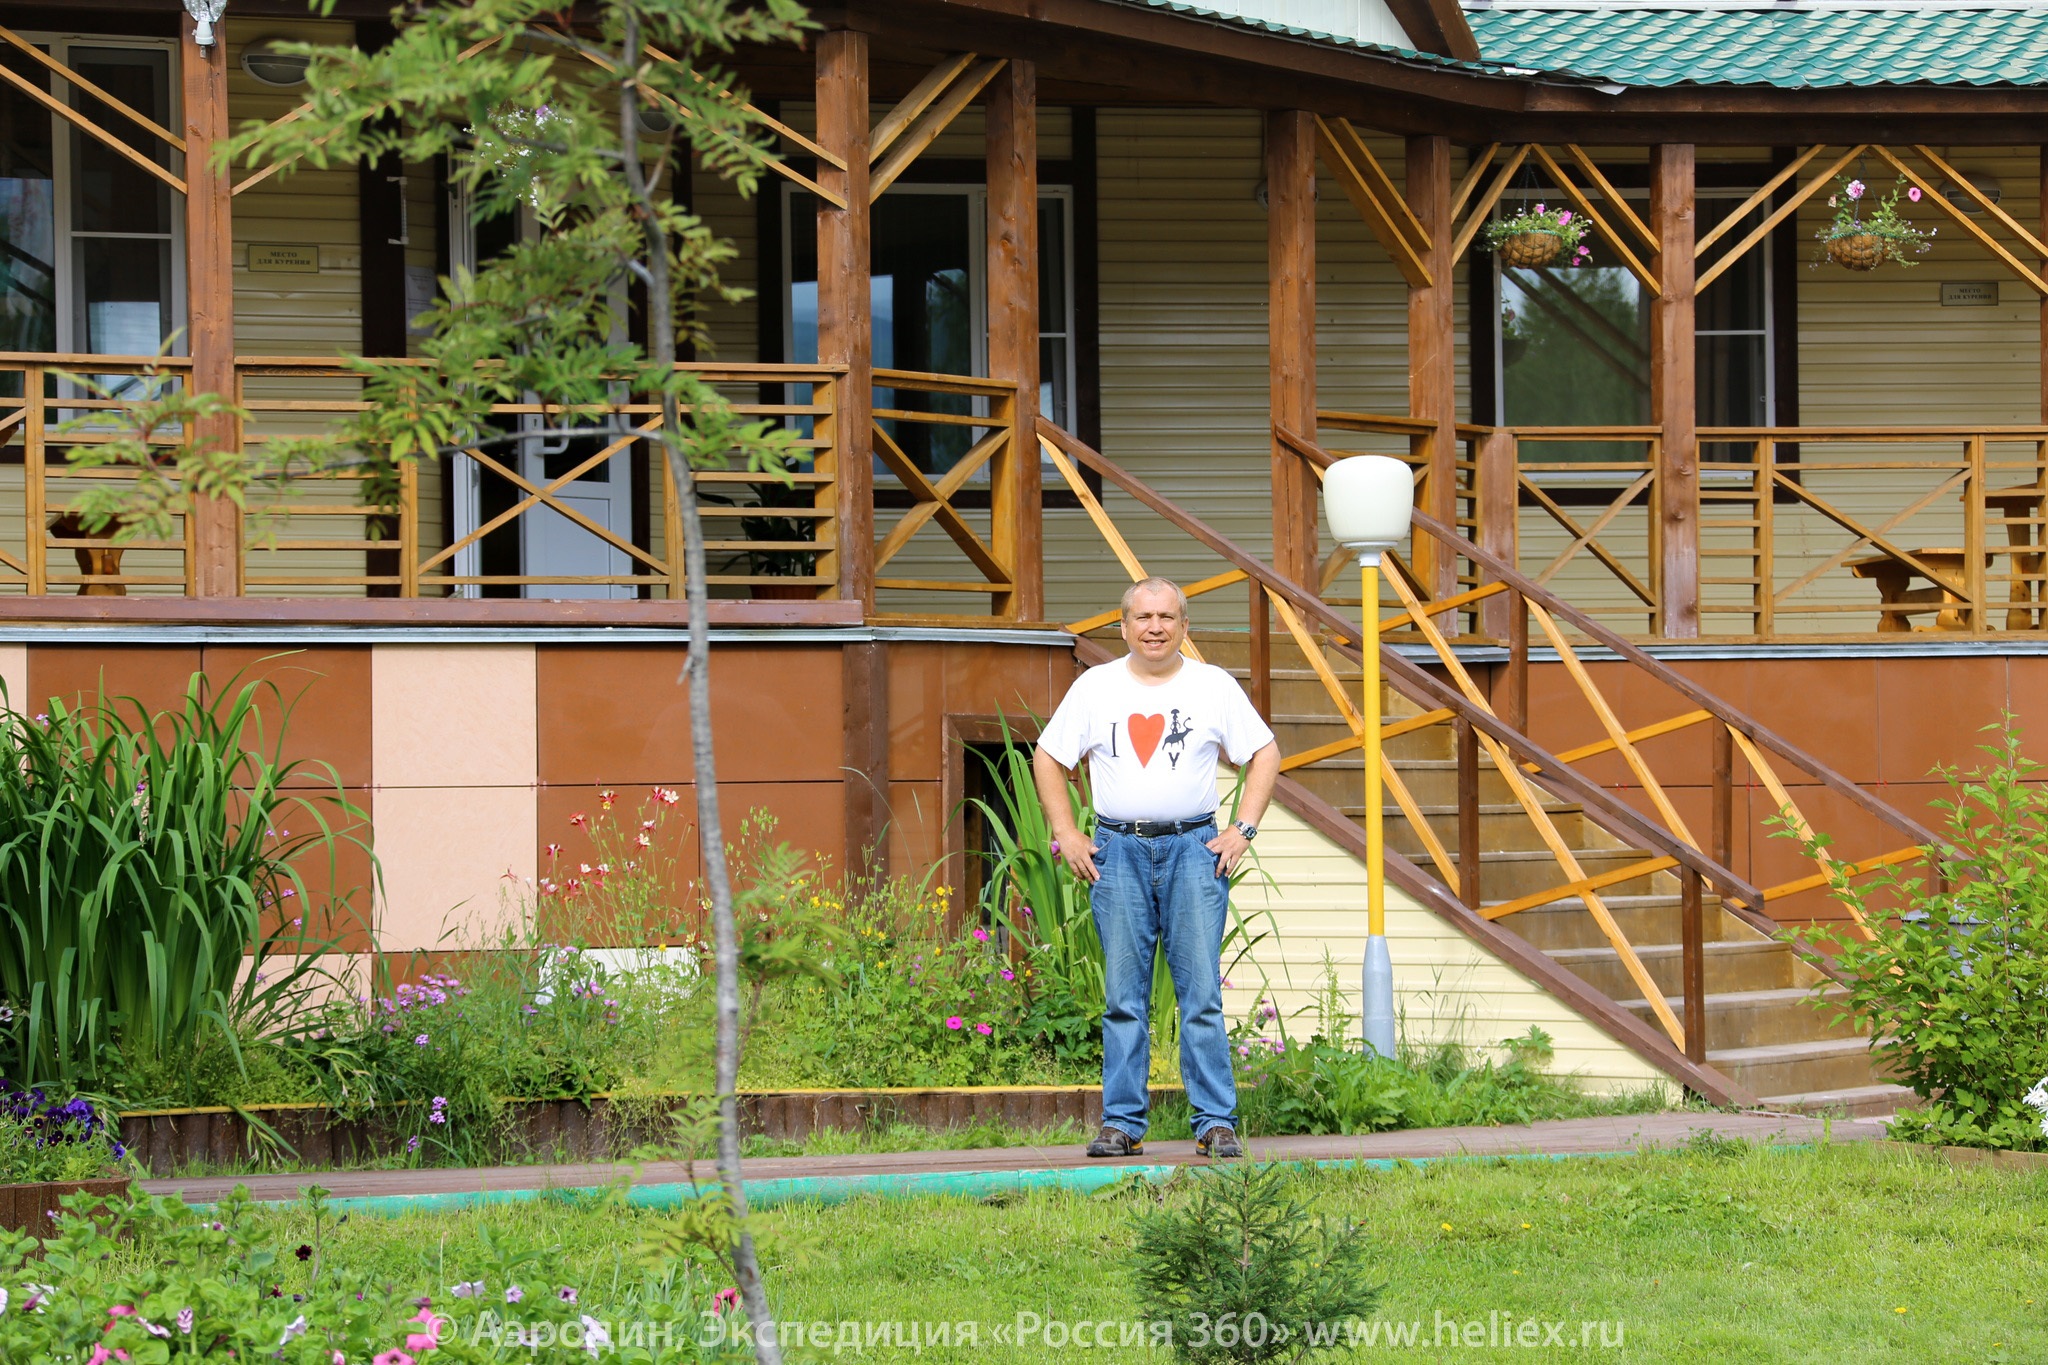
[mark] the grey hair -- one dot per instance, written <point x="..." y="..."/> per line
<point x="1153" y="585"/>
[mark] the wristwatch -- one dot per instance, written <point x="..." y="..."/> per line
<point x="1249" y="830"/>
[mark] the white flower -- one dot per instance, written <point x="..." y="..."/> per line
<point x="595" y="1335"/>
<point x="2037" y="1100"/>
<point x="3" y="1301"/>
<point x="296" y="1330"/>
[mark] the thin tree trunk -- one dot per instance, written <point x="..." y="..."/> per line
<point x="697" y="671"/>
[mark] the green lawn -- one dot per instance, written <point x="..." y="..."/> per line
<point x="1720" y="1254"/>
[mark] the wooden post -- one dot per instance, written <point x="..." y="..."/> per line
<point x="1724" y="796"/>
<point x="845" y="322"/>
<point x="1499" y="525"/>
<point x="1291" y="334"/>
<point x="1016" y="511"/>
<point x="1432" y="355"/>
<point x="864" y="677"/>
<point x="1470" y="857"/>
<point x="1673" y="398"/>
<point x="1516" y="711"/>
<point x="216" y="538"/>
<point x="1261" y="654"/>
<point x="1693" y="964"/>
<point x="2043" y="201"/>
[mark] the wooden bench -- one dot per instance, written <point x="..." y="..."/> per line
<point x="1900" y="601"/>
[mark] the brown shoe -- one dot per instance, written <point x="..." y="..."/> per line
<point x="1115" y="1142"/>
<point x="1220" y="1142"/>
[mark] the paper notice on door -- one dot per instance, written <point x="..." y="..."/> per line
<point x="419" y="296"/>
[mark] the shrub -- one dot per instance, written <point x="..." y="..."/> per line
<point x="1955" y="989"/>
<point x="1242" y="1272"/>
<point x="44" y="1139"/>
<point x="1288" y="1086"/>
<point x="141" y="859"/>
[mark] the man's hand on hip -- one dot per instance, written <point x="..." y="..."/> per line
<point x="1078" y="854"/>
<point x="1229" y="847"/>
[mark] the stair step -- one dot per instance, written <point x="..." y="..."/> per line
<point x="1643" y="919"/>
<point x="1854" y="1101"/>
<point x="1730" y="965"/>
<point x="1799" y="1068"/>
<point x="1757" y="1018"/>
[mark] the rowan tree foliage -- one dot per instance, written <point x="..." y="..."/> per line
<point x="579" y="118"/>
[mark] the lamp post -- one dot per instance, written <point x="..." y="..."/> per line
<point x="1369" y="500"/>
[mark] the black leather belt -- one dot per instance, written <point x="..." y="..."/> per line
<point x="1154" y="829"/>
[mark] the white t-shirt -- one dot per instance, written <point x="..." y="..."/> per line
<point x="1151" y="750"/>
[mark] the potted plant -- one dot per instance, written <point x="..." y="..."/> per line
<point x="1863" y="237"/>
<point x="50" y="1149"/>
<point x="1538" y="237"/>
<point x="782" y="563"/>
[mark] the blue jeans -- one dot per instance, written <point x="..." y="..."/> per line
<point x="1153" y="891"/>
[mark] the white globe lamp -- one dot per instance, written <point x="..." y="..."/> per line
<point x="1370" y="501"/>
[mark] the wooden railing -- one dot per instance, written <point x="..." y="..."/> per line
<point x="941" y="435"/>
<point x="1494" y="727"/>
<point x="1804" y="531"/>
<point x="323" y="537"/>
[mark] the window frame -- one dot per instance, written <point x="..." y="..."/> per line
<point x="57" y="44"/>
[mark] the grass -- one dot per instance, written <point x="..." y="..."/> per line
<point x="1719" y="1253"/>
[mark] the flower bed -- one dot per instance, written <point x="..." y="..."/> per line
<point x="167" y="1141"/>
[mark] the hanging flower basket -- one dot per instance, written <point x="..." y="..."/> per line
<point x="1864" y="235"/>
<point x="1538" y="237"/>
<point x="1862" y="251"/>
<point x="1528" y="250"/>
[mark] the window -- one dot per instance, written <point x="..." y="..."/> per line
<point x="89" y="242"/>
<point x="927" y="292"/>
<point x="1572" y="347"/>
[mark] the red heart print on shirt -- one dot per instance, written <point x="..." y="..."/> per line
<point x="1145" y="733"/>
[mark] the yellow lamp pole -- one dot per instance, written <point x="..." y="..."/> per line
<point x="1370" y="500"/>
<point x="1377" y="985"/>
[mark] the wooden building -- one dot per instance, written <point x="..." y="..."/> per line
<point x="1058" y="292"/>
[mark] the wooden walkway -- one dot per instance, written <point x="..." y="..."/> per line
<point x="1563" y="1137"/>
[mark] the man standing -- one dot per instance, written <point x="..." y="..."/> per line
<point x="1150" y="725"/>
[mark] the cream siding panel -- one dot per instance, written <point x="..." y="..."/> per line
<point x="1311" y="896"/>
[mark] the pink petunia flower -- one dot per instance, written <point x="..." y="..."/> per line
<point x="1856" y="188"/>
<point x="394" y="1356"/>
<point x="956" y="1022"/>
<point x="984" y="1029"/>
<point x="1913" y="194"/>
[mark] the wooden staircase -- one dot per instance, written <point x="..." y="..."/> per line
<point x="1763" y="1031"/>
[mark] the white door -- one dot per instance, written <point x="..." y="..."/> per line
<point x="551" y="544"/>
<point x="554" y="544"/>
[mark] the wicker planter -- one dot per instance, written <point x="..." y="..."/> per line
<point x="1528" y="250"/>
<point x="28" y="1208"/>
<point x="1860" y="252"/>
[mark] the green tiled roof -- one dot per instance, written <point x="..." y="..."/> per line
<point x="1774" y="46"/>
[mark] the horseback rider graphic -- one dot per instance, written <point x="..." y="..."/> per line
<point x="1177" y="733"/>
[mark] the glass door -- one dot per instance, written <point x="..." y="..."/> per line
<point x="541" y="542"/>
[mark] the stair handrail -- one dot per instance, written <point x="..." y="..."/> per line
<point x="1499" y="570"/>
<point x="1417" y="684"/>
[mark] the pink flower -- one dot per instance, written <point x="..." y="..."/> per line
<point x="392" y="1357"/>
<point x="641" y="839"/>
<point x="981" y="935"/>
<point x="984" y="1029"/>
<point x="577" y="819"/>
<point x="1009" y="975"/>
<point x="666" y="795"/>
<point x="120" y="1310"/>
<point x="1913" y="194"/>
<point x="420" y="1341"/>
<point x="956" y="1022"/>
<point x="1564" y="216"/>
<point x="1539" y="208"/>
<point x="1856" y="189"/>
<point x="724" y="1299"/>
<point x="554" y="850"/>
<point x="101" y="1355"/>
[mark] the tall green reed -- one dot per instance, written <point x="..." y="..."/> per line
<point x="151" y="896"/>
